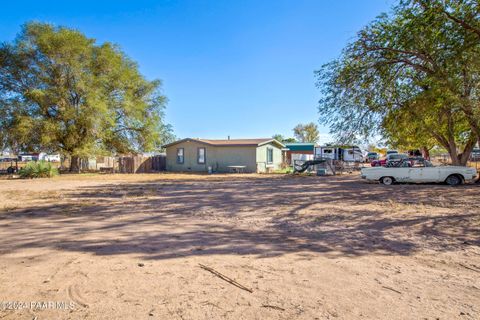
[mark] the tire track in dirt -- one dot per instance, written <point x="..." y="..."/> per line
<point x="73" y="289"/>
<point x="74" y="294"/>
<point x="60" y="268"/>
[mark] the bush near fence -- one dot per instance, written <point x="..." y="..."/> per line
<point x="38" y="169"/>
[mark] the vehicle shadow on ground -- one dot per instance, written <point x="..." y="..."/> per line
<point x="263" y="217"/>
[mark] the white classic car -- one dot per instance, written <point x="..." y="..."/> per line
<point x="420" y="172"/>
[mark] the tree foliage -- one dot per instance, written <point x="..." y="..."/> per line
<point x="306" y="132"/>
<point x="283" y="139"/>
<point x="411" y="76"/>
<point x="62" y="91"/>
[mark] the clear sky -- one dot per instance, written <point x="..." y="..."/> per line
<point x="242" y="68"/>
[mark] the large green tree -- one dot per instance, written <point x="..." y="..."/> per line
<point x="411" y="76"/>
<point x="306" y="132"/>
<point x="283" y="139"/>
<point x="61" y="91"/>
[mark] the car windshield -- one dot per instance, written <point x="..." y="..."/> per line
<point x="422" y="164"/>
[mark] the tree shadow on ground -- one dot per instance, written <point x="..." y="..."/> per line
<point x="263" y="217"/>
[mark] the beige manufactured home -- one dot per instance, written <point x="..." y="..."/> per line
<point x="198" y="155"/>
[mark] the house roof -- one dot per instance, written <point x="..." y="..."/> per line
<point x="300" y="144"/>
<point x="230" y="142"/>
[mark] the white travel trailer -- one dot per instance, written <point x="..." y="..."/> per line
<point x="344" y="153"/>
<point x="49" y="157"/>
<point x="52" y="157"/>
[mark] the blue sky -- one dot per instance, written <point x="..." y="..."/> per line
<point x="240" y="68"/>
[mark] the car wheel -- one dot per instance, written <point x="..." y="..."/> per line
<point x="453" y="180"/>
<point x="387" y="181"/>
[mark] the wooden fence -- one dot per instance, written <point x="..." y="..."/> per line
<point x="159" y="162"/>
<point x="141" y="164"/>
<point x="126" y="164"/>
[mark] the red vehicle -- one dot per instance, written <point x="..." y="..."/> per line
<point x="390" y="157"/>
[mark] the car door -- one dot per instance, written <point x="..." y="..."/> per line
<point x="415" y="174"/>
<point x="430" y="174"/>
<point x="402" y="174"/>
<point x="425" y="174"/>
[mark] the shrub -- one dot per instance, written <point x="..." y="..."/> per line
<point x="284" y="170"/>
<point x="40" y="169"/>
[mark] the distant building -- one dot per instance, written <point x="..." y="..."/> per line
<point x="28" y="157"/>
<point x="36" y="156"/>
<point x="50" y="157"/>
<point x="247" y="155"/>
<point x="299" y="151"/>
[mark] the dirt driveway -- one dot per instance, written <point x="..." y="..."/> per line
<point x="129" y="247"/>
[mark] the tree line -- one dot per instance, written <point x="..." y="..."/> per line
<point x="411" y="76"/>
<point x="302" y="133"/>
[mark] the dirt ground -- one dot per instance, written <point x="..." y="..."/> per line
<point x="130" y="247"/>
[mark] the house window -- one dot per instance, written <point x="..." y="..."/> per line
<point x="180" y="157"/>
<point x="201" y="155"/>
<point x="269" y="155"/>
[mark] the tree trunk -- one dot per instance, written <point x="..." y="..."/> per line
<point x="467" y="151"/>
<point x="75" y="164"/>
<point x="454" y="157"/>
<point x="426" y="153"/>
<point x="452" y="151"/>
<point x="478" y="145"/>
<point x="461" y="159"/>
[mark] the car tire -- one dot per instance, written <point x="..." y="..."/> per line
<point x="453" y="180"/>
<point x="388" y="181"/>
